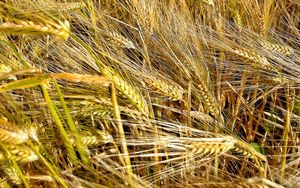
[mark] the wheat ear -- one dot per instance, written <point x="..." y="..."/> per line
<point x="208" y="99"/>
<point x="90" y="139"/>
<point x="209" y="2"/>
<point x="247" y="150"/>
<point x="238" y="21"/>
<point x="66" y="7"/>
<point x="11" y="134"/>
<point x="12" y="173"/>
<point x="211" y="145"/>
<point x="60" y="29"/>
<point x="96" y="109"/>
<point x="259" y="60"/>
<point x="119" y="40"/>
<point x="20" y="153"/>
<point x="173" y="91"/>
<point x="127" y="90"/>
<point x="277" y="48"/>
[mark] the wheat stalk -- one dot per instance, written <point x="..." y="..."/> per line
<point x="60" y="29"/>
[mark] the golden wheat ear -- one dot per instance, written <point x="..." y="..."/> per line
<point x="91" y="139"/>
<point x="168" y="89"/>
<point x="12" y="173"/>
<point x="119" y="40"/>
<point x="209" y="100"/>
<point x="259" y="60"/>
<point x="209" y="2"/>
<point x="11" y="134"/>
<point x="277" y="48"/>
<point x="66" y="7"/>
<point x="130" y="92"/>
<point x="60" y="29"/>
<point x="208" y="146"/>
<point x="20" y="153"/>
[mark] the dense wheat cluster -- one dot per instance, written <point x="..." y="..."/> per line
<point x="150" y="93"/>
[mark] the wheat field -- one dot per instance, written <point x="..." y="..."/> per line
<point x="150" y="93"/>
